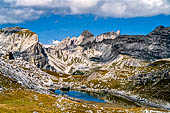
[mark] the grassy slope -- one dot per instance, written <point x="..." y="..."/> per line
<point x="26" y="101"/>
<point x="8" y="83"/>
<point x="21" y="100"/>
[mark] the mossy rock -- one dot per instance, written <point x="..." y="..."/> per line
<point x="78" y="72"/>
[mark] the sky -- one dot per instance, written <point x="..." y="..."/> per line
<point x="56" y="19"/>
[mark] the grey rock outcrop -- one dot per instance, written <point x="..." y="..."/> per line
<point x="86" y="50"/>
<point x="84" y="39"/>
<point x="24" y="44"/>
<point x="149" y="47"/>
<point x="152" y="77"/>
<point x="153" y="46"/>
<point x="26" y="74"/>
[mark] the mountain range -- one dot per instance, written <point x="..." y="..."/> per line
<point x="85" y="50"/>
<point x="132" y="63"/>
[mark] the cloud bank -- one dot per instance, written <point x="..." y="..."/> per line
<point x="18" y="11"/>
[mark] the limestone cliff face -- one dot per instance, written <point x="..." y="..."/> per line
<point x="17" y="39"/>
<point x="153" y="46"/>
<point x="88" y="50"/>
<point x="149" y="47"/>
<point x="85" y="38"/>
<point x="24" y="44"/>
<point x="75" y="53"/>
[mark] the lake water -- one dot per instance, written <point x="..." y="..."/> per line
<point x="113" y="100"/>
<point x="80" y="95"/>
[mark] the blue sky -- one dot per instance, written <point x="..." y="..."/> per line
<point x="57" y="19"/>
<point x="58" y="27"/>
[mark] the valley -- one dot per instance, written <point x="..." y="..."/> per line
<point x="131" y="68"/>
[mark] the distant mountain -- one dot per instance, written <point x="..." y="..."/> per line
<point x="86" y="50"/>
<point x="75" y="53"/>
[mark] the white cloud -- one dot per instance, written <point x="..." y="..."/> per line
<point x="82" y="6"/>
<point x="17" y="15"/>
<point x="17" y="11"/>
<point x="55" y="42"/>
<point x="116" y="9"/>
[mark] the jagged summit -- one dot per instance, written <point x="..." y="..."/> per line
<point x="85" y="38"/>
<point x="160" y="27"/>
<point x="110" y="33"/>
<point x="87" y="34"/>
<point x="160" y="30"/>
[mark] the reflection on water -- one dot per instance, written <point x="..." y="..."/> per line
<point x="101" y="98"/>
<point x="114" y="100"/>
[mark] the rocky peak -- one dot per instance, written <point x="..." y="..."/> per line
<point x="161" y="30"/>
<point x="160" y="27"/>
<point x="86" y="38"/>
<point x="87" y="34"/>
<point x="108" y="35"/>
<point x="12" y="29"/>
<point x="21" y="32"/>
<point x="64" y="43"/>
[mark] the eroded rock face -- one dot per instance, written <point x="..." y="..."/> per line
<point x="153" y="85"/>
<point x="24" y="44"/>
<point x="84" y="39"/>
<point x="87" y="49"/>
<point x="36" y="54"/>
<point x="17" y="39"/>
<point x="73" y="54"/>
<point x="108" y="35"/>
<point x="149" y="47"/>
<point x="153" y="46"/>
